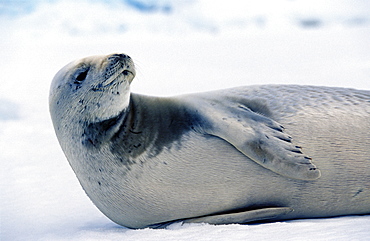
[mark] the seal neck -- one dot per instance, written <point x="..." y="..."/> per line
<point x="94" y="134"/>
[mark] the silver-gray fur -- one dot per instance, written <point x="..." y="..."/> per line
<point x="218" y="157"/>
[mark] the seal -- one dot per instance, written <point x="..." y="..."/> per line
<point x="219" y="157"/>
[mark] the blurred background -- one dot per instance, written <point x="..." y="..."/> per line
<point x="179" y="46"/>
<point x="194" y="45"/>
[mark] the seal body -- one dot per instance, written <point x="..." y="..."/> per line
<point x="229" y="156"/>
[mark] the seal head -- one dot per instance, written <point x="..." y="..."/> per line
<point x="95" y="88"/>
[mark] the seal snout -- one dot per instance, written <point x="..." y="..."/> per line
<point x="119" y="67"/>
<point x="120" y="63"/>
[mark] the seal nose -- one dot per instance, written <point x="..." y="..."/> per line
<point x="119" y="56"/>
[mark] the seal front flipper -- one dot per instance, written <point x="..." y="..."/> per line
<point x="263" y="140"/>
<point x="242" y="217"/>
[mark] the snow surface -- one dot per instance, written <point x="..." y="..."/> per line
<point x="179" y="47"/>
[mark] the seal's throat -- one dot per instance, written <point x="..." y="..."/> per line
<point x="95" y="134"/>
<point x="127" y="135"/>
<point x="146" y="127"/>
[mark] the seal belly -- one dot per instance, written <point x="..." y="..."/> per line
<point x="340" y="147"/>
<point x="201" y="175"/>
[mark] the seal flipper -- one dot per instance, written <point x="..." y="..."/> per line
<point x="242" y="217"/>
<point x="263" y="140"/>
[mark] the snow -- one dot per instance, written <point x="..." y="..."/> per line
<point x="179" y="47"/>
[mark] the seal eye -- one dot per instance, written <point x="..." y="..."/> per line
<point x="81" y="76"/>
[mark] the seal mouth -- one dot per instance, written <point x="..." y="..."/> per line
<point x="115" y="80"/>
<point x="121" y="75"/>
